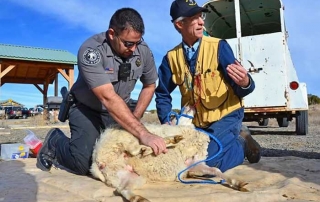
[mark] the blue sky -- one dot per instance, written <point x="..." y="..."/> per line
<point x="66" y="24"/>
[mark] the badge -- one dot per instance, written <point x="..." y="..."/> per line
<point x="191" y="2"/>
<point x="91" y="56"/>
<point x="138" y="62"/>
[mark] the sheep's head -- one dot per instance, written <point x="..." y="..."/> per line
<point x="118" y="148"/>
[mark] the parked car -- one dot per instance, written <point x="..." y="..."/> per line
<point x="36" y="111"/>
<point x="25" y="112"/>
<point x="13" y="112"/>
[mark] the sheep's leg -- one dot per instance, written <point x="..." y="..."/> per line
<point x="128" y="181"/>
<point x="203" y="169"/>
<point x="135" y="150"/>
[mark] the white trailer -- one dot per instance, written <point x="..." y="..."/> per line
<point x="256" y="32"/>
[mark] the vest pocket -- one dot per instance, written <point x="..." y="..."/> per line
<point x="178" y="78"/>
<point x="213" y="91"/>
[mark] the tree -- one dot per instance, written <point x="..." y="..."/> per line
<point x="313" y="99"/>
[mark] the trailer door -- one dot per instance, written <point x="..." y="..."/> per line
<point x="254" y="30"/>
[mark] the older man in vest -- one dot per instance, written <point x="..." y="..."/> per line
<point x="212" y="81"/>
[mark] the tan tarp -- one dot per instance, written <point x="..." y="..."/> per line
<point x="273" y="179"/>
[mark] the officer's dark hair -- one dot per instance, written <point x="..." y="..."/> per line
<point x="126" y="18"/>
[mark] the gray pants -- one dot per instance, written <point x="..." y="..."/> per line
<point x="86" y="126"/>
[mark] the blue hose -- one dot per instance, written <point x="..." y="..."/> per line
<point x="177" y="116"/>
<point x="205" y="160"/>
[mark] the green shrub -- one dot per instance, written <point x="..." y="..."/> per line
<point x="313" y="99"/>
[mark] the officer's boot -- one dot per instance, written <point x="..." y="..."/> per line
<point x="47" y="154"/>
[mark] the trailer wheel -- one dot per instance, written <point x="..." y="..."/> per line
<point x="263" y="122"/>
<point x="283" y="122"/>
<point x="302" y="123"/>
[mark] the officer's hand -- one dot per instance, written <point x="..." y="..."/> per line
<point x="238" y="74"/>
<point x="155" y="142"/>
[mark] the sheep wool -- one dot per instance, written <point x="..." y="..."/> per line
<point x="112" y="154"/>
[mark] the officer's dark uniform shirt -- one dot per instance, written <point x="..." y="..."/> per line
<point x="98" y="65"/>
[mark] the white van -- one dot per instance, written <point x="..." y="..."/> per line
<point x="256" y="32"/>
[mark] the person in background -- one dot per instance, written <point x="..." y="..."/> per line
<point x="212" y="81"/>
<point x="110" y="63"/>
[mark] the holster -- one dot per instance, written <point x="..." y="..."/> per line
<point x="132" y="104"/>
<point x="67" y="102"/>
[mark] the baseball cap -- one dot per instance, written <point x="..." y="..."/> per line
<point x="185" y="8"/>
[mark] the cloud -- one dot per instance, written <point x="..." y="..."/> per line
<point x="94" y="16"/>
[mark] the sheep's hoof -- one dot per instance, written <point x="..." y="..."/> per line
<point x="238" y="185"/>
<point x="138" y="151"/>
<point x="138" y="198"/>
<point x="194" y="174"/>
<point x="170" y="141"/>
<point x="178" y="138"/>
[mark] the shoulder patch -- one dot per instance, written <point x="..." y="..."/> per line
<point x="91" y="56"/>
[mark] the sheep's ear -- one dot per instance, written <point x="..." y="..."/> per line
<point x="96" y="172"/>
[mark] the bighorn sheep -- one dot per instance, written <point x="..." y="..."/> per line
<point x="121" y="162"/>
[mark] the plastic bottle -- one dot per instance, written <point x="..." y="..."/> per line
<point x="33" y="142"/>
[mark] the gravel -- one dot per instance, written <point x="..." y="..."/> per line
<point x="275" y="141"/>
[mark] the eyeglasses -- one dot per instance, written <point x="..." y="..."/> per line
<point x="130" y="44"/>
<point x="196" y="17"/>
<point x="203" y="15"/>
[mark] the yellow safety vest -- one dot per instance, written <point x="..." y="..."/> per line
<point x="207" y="90"/>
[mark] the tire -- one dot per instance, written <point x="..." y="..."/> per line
<point x="24" y="116"/>
<point x="283" y="122"/>
<point x="263" y="121"/>
<point x="302" y="123"/>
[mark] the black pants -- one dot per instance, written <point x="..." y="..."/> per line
<point x="86" y="126"/>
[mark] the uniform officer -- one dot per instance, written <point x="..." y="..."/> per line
<point x="110" y="63"/>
